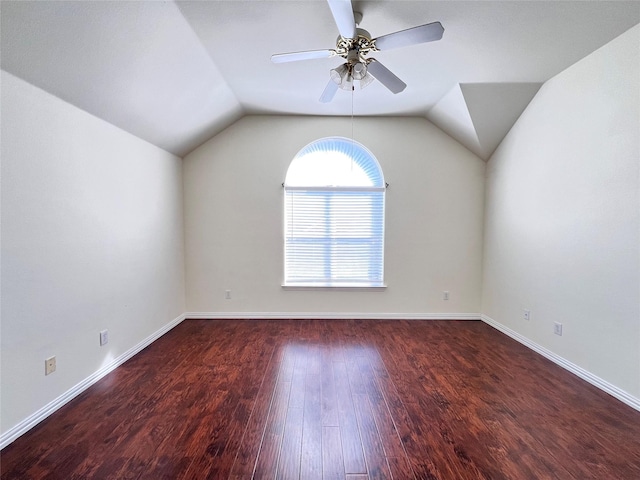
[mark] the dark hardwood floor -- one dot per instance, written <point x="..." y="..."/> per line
<point x="334" y="399"/>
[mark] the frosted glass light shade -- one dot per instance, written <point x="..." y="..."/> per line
<point x="339" y="74"/>
<point x="366" y="80"/>
<point x="359" y="71"/>
<point x="347" y="83"/>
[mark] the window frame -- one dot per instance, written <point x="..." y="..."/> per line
<point x="366" y="161"/>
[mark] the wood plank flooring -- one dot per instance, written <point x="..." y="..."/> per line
<point x="334" y="399"/>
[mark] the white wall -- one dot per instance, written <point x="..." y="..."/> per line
<point x="562" y="230"/>
<point x="233" y="218"/>
<point x="92" y="239"/>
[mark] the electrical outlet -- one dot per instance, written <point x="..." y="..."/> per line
<point x="104" y="337"/>
<point x="526" y="314"/>
<point x="227" y="294"/>
<point x="557" y="328"/>
<point x="50" y="365"/>
<point x="445" y="295"/>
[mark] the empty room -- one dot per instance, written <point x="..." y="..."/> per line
<point x="320" y="239"/>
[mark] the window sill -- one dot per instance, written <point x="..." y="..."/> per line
<point x="334" y="286"/>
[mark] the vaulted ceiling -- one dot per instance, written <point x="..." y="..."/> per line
<point x="177" y="73"/>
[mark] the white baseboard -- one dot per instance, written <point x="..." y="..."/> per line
<point x="332" y="315"/>
<point x="567" y="365"/>
<point x="32" y="420"/>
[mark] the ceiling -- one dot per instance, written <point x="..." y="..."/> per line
<point x="177" y="73"/>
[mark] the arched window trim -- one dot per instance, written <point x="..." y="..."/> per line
<point x="357" y="153"/>
<point x="315" y="255"/>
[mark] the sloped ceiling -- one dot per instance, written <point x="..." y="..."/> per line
<point x="177" y="73"/>
<point x="479" y="115"/>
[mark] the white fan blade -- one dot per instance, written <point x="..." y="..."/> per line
<point x="329" y="92"/>
<point x="296" y="56"/>
<point x="385" y="76"/>
<point x="343" y="15"/>
<point x="412" y="36"/>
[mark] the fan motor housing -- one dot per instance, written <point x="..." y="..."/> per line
<point x="353" y="49"/>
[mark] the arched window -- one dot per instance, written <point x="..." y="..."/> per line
<point x="334" y="216"/>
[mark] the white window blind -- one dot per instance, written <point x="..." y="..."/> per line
<point x="334" y="233"/>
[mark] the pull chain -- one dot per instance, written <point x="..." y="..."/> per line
<point x="352" y="139"/>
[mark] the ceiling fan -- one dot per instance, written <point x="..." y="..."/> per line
<point x="354" y="44"/>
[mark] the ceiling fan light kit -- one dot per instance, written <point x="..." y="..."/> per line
<point x="354" y="44"/>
